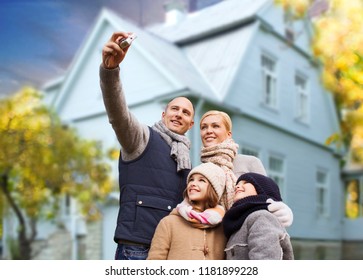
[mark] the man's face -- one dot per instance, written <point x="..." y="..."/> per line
<point x="178" y="116"/>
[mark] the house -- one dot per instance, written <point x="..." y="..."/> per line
<point x="244" y="57"/>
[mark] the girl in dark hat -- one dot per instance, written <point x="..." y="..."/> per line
<point x="254" y="233"/>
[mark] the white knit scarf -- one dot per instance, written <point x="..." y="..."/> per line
<point x="223" y="155"/>
<point x="180" y="145"/>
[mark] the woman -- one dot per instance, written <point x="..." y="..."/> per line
<point x="193" y="231"/>
<point x="220" y="148"/>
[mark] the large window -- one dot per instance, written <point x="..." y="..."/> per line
<point x="302" y="98"/>
<point x="322" y="193"/>
<point x="269" y="81"/>
<point x="276" y="171"/>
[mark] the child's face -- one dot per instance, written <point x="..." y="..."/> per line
<point x="243" y="189"/>
<point x="197" y="188"/>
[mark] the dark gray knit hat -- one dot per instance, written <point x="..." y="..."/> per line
<point x="262" y="184"/>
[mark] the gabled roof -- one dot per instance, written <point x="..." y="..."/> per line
<point x="211" y="20"/>
<point x="219" y="57"/>
<point x="217" y="38"/>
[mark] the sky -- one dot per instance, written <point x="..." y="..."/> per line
<point x="39" y="38"/>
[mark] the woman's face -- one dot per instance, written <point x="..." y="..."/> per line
<point x="213" y="131"/>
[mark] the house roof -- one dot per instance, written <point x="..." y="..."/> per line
<point x="211" y="20"/>
<point x="219" y="57"/>
<point x="198" y="67"/>
<point x="214" y="42"/>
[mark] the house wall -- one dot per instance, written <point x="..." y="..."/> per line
<point x="300" y="171"/>
<point x="246" y="91"/>
<point x="302" y="29"/>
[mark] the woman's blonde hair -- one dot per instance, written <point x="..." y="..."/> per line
<point x="226" y="120"/>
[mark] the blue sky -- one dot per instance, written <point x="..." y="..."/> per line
<point x="39" y="38"/>
<point x="36" y="42"/>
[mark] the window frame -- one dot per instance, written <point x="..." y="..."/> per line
<point x="269" y="81"/>
<point x="302" y="97"/>
<point x="249" y="150"/>
<point x="322" y="193"/>
<point x="279" y="176"/>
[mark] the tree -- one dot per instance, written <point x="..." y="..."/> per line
<point x="338" y="45"/>
<point x="42" y="160"/>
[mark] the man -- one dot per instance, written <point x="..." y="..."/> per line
<point x="154" y="161"/>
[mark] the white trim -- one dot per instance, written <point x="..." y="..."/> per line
<point x="269" y="99"/>
<point x="322" y="193"/>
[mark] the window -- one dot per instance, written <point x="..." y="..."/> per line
<point x="245" y="150"/>
<point x="289" y="26"/>
<point x="353" y="203"/>
<point x="302" y="98"/>
<point x="269" y="81"/>
<point x="276" y="172"/>
<point x="322" y="194"/>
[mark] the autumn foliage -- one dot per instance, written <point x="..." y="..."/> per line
<point x="42" y="161"/>
<point x="337" y="43"/>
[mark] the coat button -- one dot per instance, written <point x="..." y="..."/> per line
<point x="169" y="207"/>
<point x="140" y="202"/>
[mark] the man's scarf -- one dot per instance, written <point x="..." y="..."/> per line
<point x="180" y="145"/>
